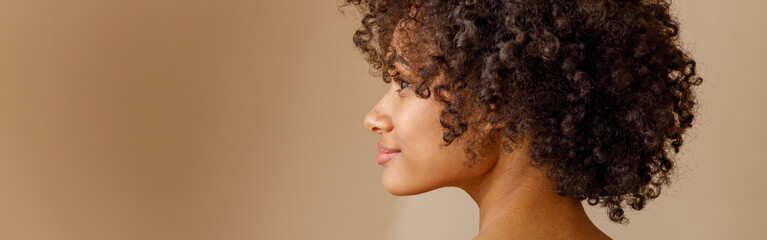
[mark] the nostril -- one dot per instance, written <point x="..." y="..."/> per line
<point x="377" y="122"/>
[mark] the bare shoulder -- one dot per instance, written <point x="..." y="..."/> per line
<point x="499" y="234"/>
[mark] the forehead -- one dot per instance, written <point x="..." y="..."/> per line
<point x="411" y="41"/>
<point x="410" y="38"/>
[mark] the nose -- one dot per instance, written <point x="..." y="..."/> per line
<point x="378" y="120"/>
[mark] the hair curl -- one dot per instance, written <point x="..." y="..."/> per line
<point x="602" y="87"/>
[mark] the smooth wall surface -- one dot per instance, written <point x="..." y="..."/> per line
<point x="237" y="119"/>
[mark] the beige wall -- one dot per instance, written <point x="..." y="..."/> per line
<point x="242" y="119"/>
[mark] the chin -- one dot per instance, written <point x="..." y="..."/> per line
<point x="401" y="189"/>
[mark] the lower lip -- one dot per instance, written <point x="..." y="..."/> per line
<point x="385" y="157"/>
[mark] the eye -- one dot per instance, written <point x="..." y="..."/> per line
<point x="403" y="83"/>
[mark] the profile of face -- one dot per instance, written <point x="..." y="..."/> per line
<point x="409" y="127"/>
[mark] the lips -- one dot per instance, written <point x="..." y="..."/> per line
<point x="385" y="154"/>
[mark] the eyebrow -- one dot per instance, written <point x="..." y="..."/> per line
<point x="402" y="59"/>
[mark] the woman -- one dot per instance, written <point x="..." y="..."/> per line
<point x="530" y="106"/>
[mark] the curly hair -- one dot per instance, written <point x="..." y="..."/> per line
<point x="602" y="87"/>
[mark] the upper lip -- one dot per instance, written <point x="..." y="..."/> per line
<point x="384" y="149"/>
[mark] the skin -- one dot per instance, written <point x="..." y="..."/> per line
<point x="515" y="199"/>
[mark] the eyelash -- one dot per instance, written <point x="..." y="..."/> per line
<point x="401" y="81"/>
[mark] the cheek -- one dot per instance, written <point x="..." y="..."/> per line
<point x="420" y="133"/>
<point x="418" y="129"/>
<point x="424" y="163"/>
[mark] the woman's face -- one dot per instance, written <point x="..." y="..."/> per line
<point x="410" y="124"/>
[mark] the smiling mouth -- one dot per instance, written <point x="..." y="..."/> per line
<point x="385" y="157"/>
<point x="385" y="154"/>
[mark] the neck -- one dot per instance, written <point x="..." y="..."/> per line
<point x="517" y="199"/>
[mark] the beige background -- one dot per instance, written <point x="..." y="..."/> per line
<point x="227" y="119"/>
